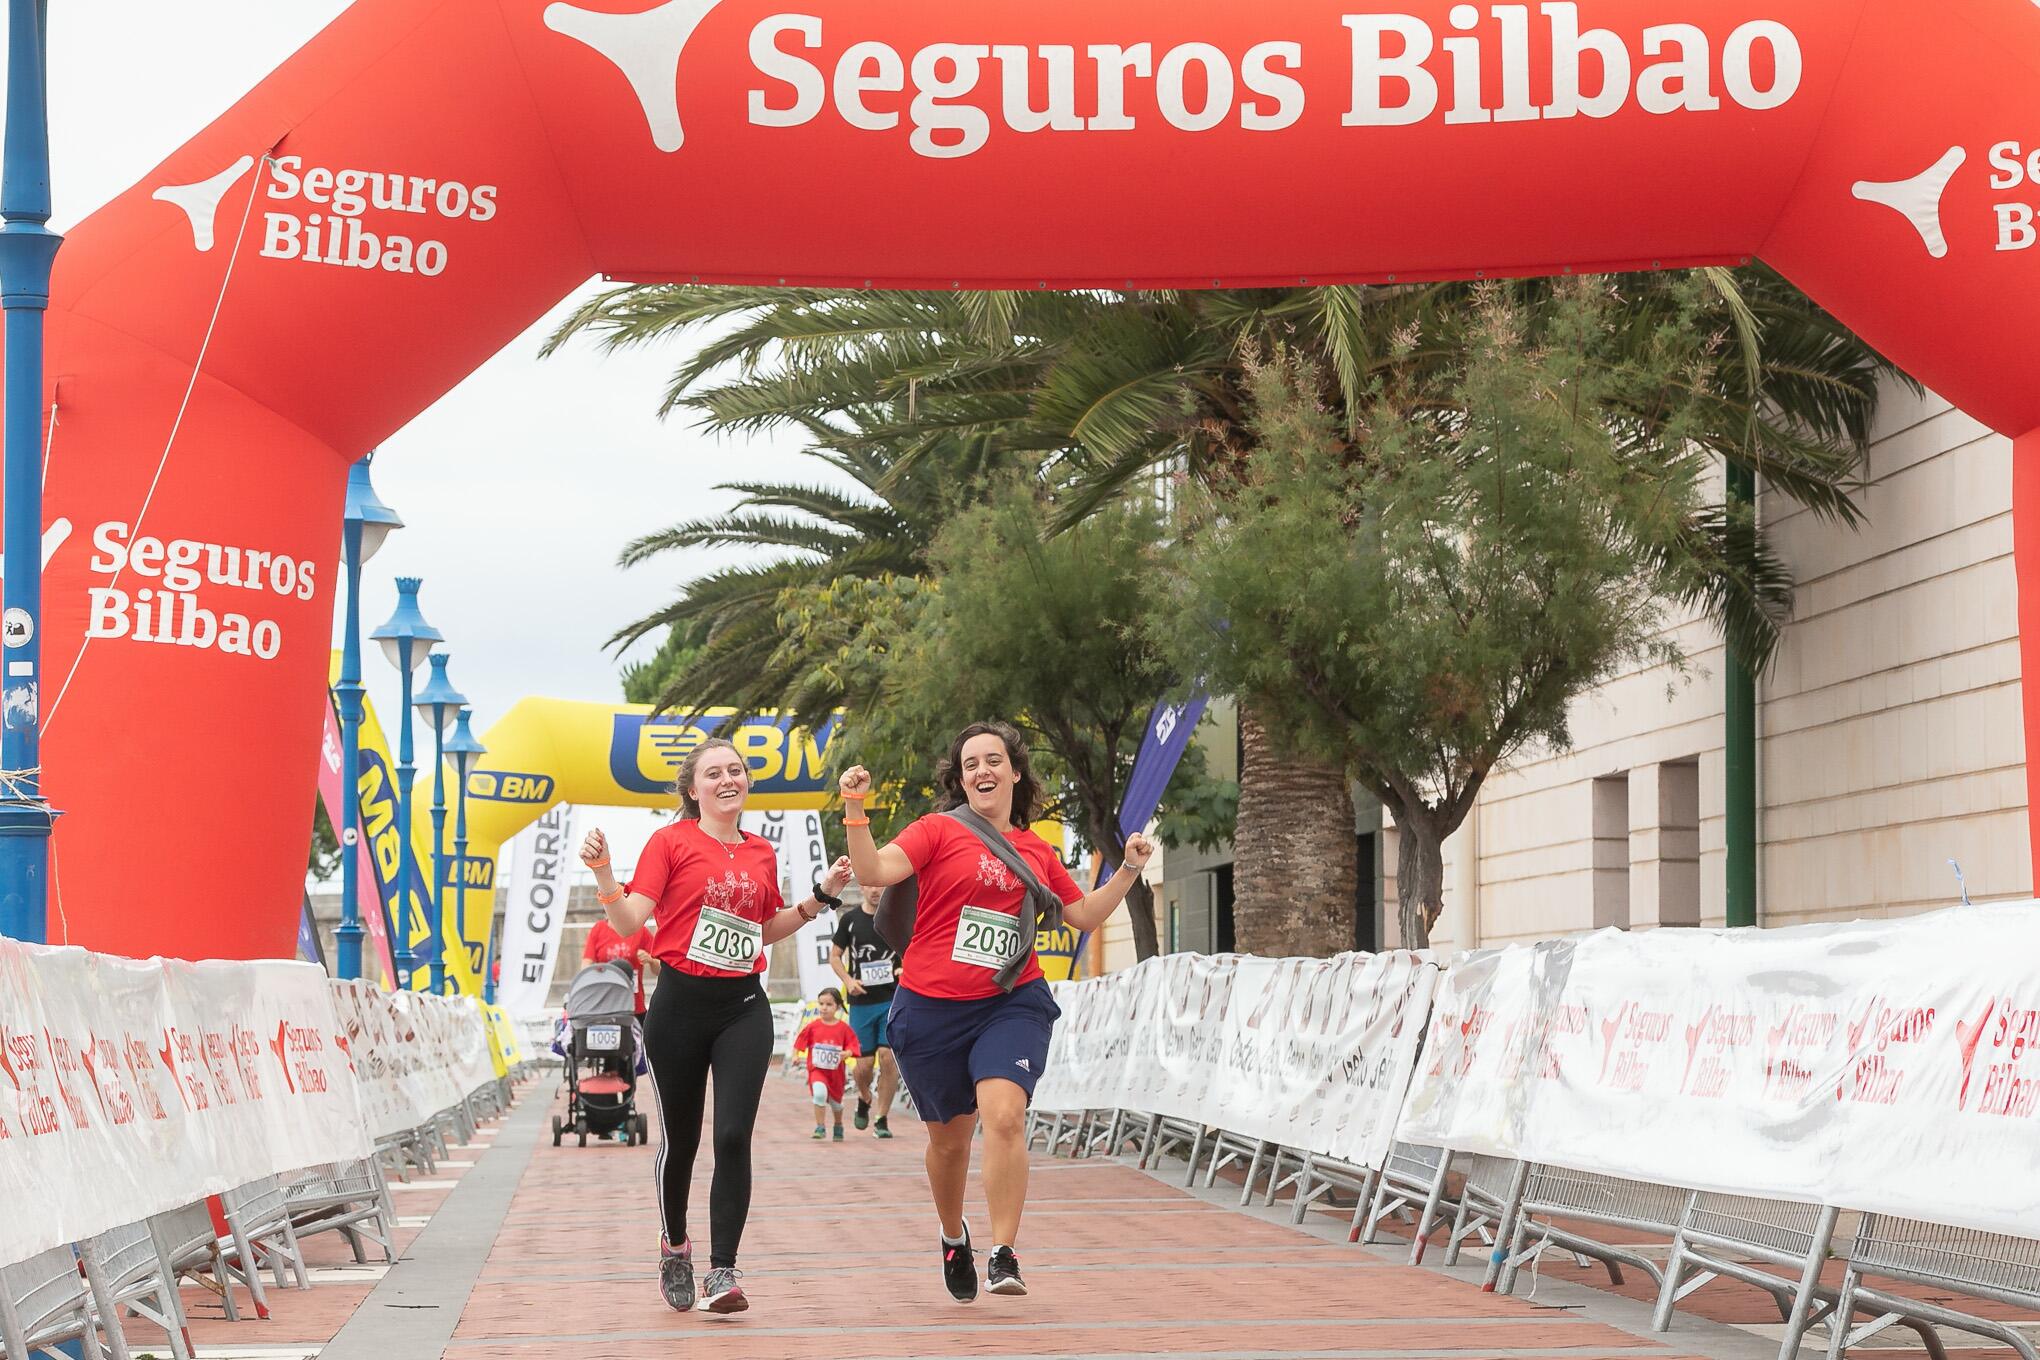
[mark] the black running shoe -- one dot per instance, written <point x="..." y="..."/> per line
<point x="879" y="1130"/>
<point x="1002" y="1273"/>
<point x="676" y="1277"/>
<point x="720" y="1292"/>
<point x="863" y="1113"/>
<point x="959" y="1269"/>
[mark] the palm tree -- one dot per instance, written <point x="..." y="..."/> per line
<point x="1105" y="392"/>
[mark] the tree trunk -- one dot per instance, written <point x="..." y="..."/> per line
<point x="1140" y="911"/>
<point x="1296" y="861"/>
<point x="1419" y="877"/>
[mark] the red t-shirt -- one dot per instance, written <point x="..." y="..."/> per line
<point x="605" y="945"/>
<point x="837" y="1041"/>
<point x="964" y="888"/>
<point x="712" y="899"/>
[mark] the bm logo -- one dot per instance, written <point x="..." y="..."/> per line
<point x="511" y="786"/>
<point x="645" y="750"/>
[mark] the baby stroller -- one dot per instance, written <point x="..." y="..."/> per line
<point x="602" y="1047"/>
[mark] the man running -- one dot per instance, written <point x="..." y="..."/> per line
<point x="869" y="969"/>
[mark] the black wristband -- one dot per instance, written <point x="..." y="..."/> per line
<point x="832" y="903"/>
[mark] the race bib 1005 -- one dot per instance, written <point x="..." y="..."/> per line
<point x="985" y="938"/>
<point x="826" y="1057"/>
<point x="875" y="972"/>
<point x="725" y="941"/>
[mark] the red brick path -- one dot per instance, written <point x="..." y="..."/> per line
<point x="839" y="1263"/>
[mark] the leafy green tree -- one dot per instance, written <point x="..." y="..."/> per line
<point x="1423" y="584"/>
<point x="1042" y="631"/>
<point x="1116" y="394"/>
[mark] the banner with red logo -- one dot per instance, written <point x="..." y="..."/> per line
<point x="415" y="1054"/>
<point x="1313" y="1054"/>
<point x="1891" y="1066"/>
<point x="420" y="183"/>
<point x="128" y="1088"/>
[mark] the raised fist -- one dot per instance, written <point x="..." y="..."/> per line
<point x="594" y="848"/>
<point x="855" y="785"/>
<point x="1139" y="850"/>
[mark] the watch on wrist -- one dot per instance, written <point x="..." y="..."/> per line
<point x="832" y="903"/>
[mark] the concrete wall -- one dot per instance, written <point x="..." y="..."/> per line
<point x="1889" y="729"/>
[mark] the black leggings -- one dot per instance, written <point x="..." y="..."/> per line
<point x="697" y="1025"/>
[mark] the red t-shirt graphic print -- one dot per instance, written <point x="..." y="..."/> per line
<point x="713" y="899"/>
<point x="968" y="907"/>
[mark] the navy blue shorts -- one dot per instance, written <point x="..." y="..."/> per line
<point x="869" y="1023"/>
<point x="945" y="1048"/>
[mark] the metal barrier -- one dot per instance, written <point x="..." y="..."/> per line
<point x="350" y="1198"/>
<point x="1410" y="1177"/>
<point x="1489" y="1191"/>
<point x="44" y="1300"/>
<point x="1553" y="1192"/>
<point x="1979" y="1264"/>
<point x="126" y="1272"/>
<point x="1318" y="1177"/>
<point x="261" y="1237"/>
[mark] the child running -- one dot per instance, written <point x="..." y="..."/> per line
<point x="827" y="1040"/>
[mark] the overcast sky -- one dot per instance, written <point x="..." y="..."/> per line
<point x="520" y="485"/>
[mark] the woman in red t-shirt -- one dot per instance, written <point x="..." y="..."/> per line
<point x="606" y="946"/>
<point x="970" y="1042"/>
<point x="711" y="893"/>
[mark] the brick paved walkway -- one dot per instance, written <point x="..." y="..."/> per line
<point x="838" y="1263"/>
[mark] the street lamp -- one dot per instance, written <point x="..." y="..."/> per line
<point x="405" y="640"/>
<point x="439" y="701"/>
<point x="366" y="523"/>
<point x="466" y="753"/>
<point x="28" y="249"/>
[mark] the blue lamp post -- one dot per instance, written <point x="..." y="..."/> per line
<point x="439" y="701"/>
<point x="28" y="249"/>
<point x="466" y="753"/>
<point x="366" y="524"/>
<point x="405" y="639"/>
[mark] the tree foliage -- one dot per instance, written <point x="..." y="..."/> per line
<point x="1426" y="589"/>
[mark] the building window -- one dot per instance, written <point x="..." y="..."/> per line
<point x="1611" y="852"/>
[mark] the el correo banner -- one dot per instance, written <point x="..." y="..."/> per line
<point x="534" y="910"/>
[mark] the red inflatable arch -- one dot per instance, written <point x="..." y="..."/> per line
<point x="425" y="178"/>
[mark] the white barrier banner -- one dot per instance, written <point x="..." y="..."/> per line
<point x="1891" y="1066"/>
<point x="535" y="908"/>
<point x="1312" y="1053"/>
<point x="128" y="1088"/>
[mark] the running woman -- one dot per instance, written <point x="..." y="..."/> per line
<point x="971" y="1017"/>
<point x="869" y="968"/>
<point x="826" y="1041"/>
<point x="711" y="892"/>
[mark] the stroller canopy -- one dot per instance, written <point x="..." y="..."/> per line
<point x="602" y="988"/>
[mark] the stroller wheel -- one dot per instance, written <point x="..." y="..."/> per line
<point x="584" y="1137"/>
<point x="556" y="1130"/>
<point x="644" y="1131"/>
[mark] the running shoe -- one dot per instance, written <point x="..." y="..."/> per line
<point x="720" y="1292"/>
<point x="879" y="1130"/>
<point x="676" y="1276"/>
<point x="959" y="1269"/>
<point x="1002" y="1273"/>
<point x="838" y="1134"/>
<point x="819" y="1133"/>
<point x="863" y="1113"/>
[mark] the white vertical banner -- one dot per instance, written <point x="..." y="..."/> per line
<point x="536" y="907"/>
<point x="797" y="839"/>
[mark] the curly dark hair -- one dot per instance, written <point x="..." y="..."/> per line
<point x="949" y="774"/>
<point x="683" y="781"/>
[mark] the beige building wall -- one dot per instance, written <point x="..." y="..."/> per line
<point x="1889" y="730"/>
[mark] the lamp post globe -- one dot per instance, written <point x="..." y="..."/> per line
<point x="466" y="753"/>
<point x="365" y="523"/>
<point x="405" y="639"/>
<point x="439" y="702"/>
